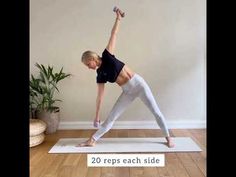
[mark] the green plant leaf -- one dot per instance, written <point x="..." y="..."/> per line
<point x="42" y="87"/>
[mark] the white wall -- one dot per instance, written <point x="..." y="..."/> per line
<point x="162" y="40"/>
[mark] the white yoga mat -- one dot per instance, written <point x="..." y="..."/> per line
<point x="182" y="144"/>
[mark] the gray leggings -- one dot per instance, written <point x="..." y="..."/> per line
<point x="135" y="87"/>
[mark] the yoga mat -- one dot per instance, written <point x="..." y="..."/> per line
<point x="182" y="144"/>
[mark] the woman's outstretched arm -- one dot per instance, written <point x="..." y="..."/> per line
<point x="112" y="41"/>
<point x="100" y="94"/>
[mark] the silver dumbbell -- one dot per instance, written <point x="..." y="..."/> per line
<point x="121" y="13"/>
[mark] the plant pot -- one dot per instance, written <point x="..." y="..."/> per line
<point x="52" y="119"/>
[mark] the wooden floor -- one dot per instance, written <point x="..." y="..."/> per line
<point x="178" y="164"/>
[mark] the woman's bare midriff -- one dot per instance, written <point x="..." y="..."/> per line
<point x="125" y="75"/>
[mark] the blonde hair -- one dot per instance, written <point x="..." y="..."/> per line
<point x="89" y="55"/>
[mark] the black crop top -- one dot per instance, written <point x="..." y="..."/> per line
<point x="109" y="69"/>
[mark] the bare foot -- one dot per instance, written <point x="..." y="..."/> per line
<point x="88" y="143"/>
<point x="170" y="143"/>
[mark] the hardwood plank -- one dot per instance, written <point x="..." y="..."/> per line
<point x="133" y="133"/>
<point x="150" y="172"/>
<point x="195" y="163"/>
<point x="199" y="157"/>
<point x="64" y="171"/>
<point x="112" y="133"/>
<point x="199" y="135"/>
<point x="43" y="164"/>
<point x="108" y="172"/>
<point x="94" y="172"/>
<point x="173" y="167"/>
<point x="153" y="133"/>
<point x="190" y="165"/>
<point x="81" y="169"/>
<point x="122" y="172"/>
<point x="54" y="167"/>
<point x="122" y="133"/>
<point x="164" y="172"/>
<point x="71" y="159"/>
<point x="136" y="172"/>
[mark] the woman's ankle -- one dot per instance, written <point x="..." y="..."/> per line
<point x="168" y="138"/>
<point x="92" y="140"/>
<point x="170" y="143"/>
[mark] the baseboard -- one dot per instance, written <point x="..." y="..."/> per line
<point x="136" y="125"/>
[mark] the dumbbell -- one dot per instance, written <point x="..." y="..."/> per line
<point x="121" y="13"/>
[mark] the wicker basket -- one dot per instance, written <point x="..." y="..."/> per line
<point x="36" y="140"/>
<point x="37" y="127"/>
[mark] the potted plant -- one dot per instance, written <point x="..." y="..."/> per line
<point x="42" y="101"/>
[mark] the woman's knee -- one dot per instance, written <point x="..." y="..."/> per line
<point x="107" y="126"/>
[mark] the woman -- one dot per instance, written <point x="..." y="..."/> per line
<point x="110" y="69"/>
